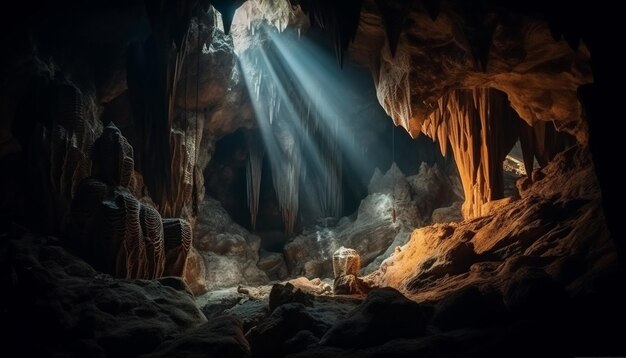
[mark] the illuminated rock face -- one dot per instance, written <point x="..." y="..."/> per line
<point x="557" y="216"/>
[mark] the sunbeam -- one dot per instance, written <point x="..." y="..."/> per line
<point x="303" y="113"/>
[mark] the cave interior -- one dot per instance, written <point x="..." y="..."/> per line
<point x="310" y="178"/>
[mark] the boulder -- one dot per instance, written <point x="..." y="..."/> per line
<point x="282" y="294"/>
<point x="273" y="264"/>
<point x="468" y="307"/>
<point x="83" y="313"/>
<point x="229" y="251"/>
<point x="268" y="339"/>
<point x="220" y="337"/>
<point x="348" y="285"/>
<point x="384" y="315"/>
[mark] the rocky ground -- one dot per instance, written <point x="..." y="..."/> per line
<point x="537" y="277"/>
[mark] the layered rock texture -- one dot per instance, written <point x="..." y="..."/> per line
<point x="85" y="313"/>
<point x="113" y="230"/>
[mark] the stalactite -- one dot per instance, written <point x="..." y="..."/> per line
<point x="286" y="177"/>
<point x="395" y="92"/>
<point x="481" y="129"/>
<point x="182" y="166"/>
<point x="394" y="15"/>
<point x="330" y="188"/>
<point x="254" y="168"/>
<point x="340" y="18"/>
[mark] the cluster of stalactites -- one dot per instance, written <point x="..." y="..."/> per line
<point x="329" y="180"/>
<point x="481" y="128"/>
<point x="287" y="124"/>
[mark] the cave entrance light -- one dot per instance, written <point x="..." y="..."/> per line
<point x="303" y="105"/>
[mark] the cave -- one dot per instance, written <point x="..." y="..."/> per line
<point x="310" y="178"/>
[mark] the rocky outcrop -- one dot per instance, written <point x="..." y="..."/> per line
<point x="113" y="230"/>
<point x="385" y="313"/>
<point x="220" y="337"/>
<point x="557" y="216"/>
<point x="229" y="251"/>
<point x="439" y="52"/>
<point x="82" y="312"/>
<point x="393" y="208"/>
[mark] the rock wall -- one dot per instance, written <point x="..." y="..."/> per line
<point x="172" y="91"/>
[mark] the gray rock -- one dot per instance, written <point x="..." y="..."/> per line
<point x="104" y="316"/>
<point x="448" y="214"/>
<point x="385" y="314"/>
<point x="220" y="337"/>
<point x="268" y="338"/>
<point x="229" y="251"/>
<point x="273" y="264"/>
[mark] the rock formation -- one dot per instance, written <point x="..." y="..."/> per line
<point x="230" y="252"/>
<point x="66" y="297"/>
<point x="115" y="231"/>
<point x="110" y="114"/>
<point x="373" y="234"/>
<point x="556" y="217"/>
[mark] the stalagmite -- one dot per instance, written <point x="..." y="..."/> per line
<point x="177" y="236"/>
<point x="152" y="230"/>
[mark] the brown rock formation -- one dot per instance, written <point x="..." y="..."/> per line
<point x="556" y="217"/>
<point x="115" y="231"/>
